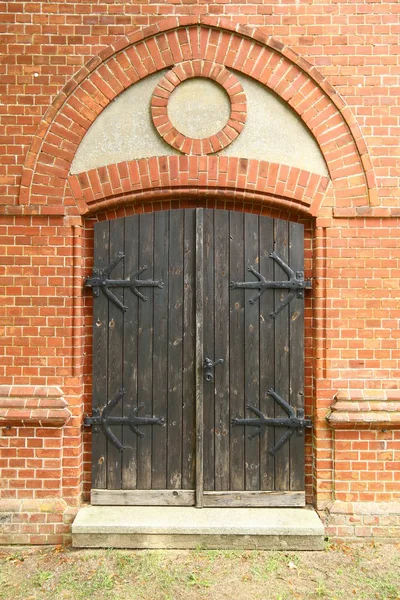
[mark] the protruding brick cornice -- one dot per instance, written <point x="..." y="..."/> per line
<point x="164" y="177"/>
<point x="30" y="406"/>
<point x="365" y="409"/>
<point x="177" y="40"/>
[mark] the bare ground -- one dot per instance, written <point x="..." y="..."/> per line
<point x="367" y="571"/>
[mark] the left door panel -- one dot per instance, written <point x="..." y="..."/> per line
<point x="148" y="350"/>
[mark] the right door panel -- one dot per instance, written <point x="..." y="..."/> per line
<point x="261" y="340"/>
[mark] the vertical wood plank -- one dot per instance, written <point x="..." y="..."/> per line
<point x="160" y="349"/>
<point x="145" y="350"/>
<point x="115" y="346"/>
<point x="252" y="352"/>
<point x="237" y="350"/>
<point x="189" y="334"/>
<point x="267" y="359"/>
<point x="131" y="263"/>
<point x="221" y="303"/>
<point x="281" y="355"/>
<point x="100" y="357"/>
<point x="199" y="358"/>
<point x="296" y="331"/>
<point x="209" y="349"/>
<point x="175" y="337"/>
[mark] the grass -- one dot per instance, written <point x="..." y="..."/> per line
<point x="340" y="572"/>
<point x="97" y="585"/>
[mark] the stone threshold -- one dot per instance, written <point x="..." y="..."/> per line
<point x="188" y="527"/>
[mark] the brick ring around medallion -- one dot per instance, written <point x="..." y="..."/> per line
<point x="191" y="70"/>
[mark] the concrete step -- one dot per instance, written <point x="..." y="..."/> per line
<point x="189" y="527"/>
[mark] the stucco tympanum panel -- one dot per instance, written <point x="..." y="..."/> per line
<point x="124" y="130"/>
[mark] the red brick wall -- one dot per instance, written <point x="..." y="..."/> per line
<point x="366" y="463"/>
<point x="351" y="49"/>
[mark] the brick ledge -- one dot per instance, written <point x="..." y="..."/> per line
<point x="365" y="409"/>
<point x="374" y="212"/>
<point x="362" y="521"/>
<point x="364" y="508"/>
<point x="32" y="406"/>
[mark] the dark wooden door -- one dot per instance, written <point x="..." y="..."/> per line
<point x="153" y="350"/>
<point x="148" y="351"/>
<point x="262" y="348"/>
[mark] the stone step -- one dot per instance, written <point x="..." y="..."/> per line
<point x="189" y="527"/>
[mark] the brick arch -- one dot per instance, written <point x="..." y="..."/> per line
<point x="227" y="179"/>
<point x="175" y="40"/>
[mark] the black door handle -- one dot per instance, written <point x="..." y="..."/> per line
<point x="209" y="365"/>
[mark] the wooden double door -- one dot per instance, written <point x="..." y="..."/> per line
<point x="171" y="298"/>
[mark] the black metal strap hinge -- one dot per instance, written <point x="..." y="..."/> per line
<point x="296" y="284"/>
<point x="295" y="421"/>
<point x="102" y="420"/>
<point x="100" y="281"/>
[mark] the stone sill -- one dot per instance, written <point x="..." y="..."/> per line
<point x="365" y="409"/>
<point x="32" y="406"/>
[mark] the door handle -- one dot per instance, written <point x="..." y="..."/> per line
<point x="209" y="365"/>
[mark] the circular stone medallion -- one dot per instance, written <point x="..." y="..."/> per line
<point x="197" y="118"/>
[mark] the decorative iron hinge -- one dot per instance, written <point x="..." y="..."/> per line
<point x="101" y="420"/>
<point x="295" y="283"/>
<point x="295" y="421"/>
<point x="100" y="281"/>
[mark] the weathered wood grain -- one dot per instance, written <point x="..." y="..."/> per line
<point x="199" y="357"/>
<point x="160" y="349"/>
<point x="143" y="497"/>
<point x="267" y="358"/>
<point x="221" y="349"/>
<point x="145" y="350"/>
<point x="189" y="363"/>
<point x="209" y="349"/>
<point x="256" y="498"/>
<point x="115" y="348"/>
<point x="131" y="264"/>
<point x="100" y="357"/>
<point x="252" y="351"/>
<point x="282" y="350"/>
<point x="237" y="351"/>
<point x="175" y="345"/>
